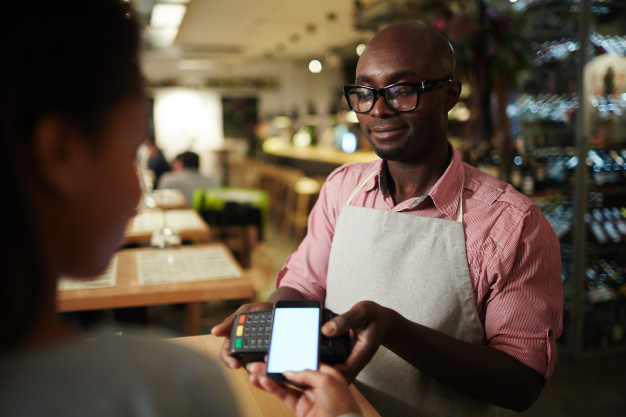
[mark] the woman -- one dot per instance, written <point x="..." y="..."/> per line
<point x="71" y="119"/>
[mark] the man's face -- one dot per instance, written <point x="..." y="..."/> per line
<point x="402" y="136"/>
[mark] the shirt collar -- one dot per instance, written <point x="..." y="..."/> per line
<point x="445" y="192"/>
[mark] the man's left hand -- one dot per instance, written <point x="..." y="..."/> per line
<point x="369" y="323"/>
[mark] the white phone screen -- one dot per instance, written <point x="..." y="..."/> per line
<point x="294" y="345"/>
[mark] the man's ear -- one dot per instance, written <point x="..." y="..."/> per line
<point x="58" y="155"/>
<point x="453" y="94"/>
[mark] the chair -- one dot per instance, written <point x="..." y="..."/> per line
<point x="302" y="195"/>
<point x="235" y="216"/>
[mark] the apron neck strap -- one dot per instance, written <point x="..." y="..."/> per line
<point x="369" y="176"/>
<point x="459" y="210"/>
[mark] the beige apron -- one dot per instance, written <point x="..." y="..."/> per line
<point x="416" y="266"/>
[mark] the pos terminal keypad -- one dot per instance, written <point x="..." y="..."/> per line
<point x="250" y="335"/>
<point x="252" y="330"/>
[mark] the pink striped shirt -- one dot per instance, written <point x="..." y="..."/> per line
<point x="513" y="255"/>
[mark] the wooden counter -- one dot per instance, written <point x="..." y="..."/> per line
<point x="316" y="160"/>
<point x="252" y="401"/>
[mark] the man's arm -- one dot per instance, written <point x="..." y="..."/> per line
<point x="478" y="371"/>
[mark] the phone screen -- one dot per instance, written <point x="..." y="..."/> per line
<point x="294" y="345"/>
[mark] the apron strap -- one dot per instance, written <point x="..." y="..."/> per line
<point x="369" y="176"/>
<point x="459" y="210"/>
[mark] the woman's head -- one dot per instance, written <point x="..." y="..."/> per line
<point x="71" y="118"/>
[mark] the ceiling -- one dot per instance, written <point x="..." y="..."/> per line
<point x="241" y="31"/>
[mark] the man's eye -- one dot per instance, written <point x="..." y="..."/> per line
<point x="404" y="91"/>
<point x="364" y="94"/>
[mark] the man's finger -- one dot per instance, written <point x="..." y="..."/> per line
<point x="228" y="360"/>
<point x="353" y="318"/>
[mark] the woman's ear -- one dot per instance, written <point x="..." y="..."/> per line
<point x="453" y="94"/>
<point x="59" y="155"/>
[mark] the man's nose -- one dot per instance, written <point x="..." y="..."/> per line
<point x="381" y="108"/>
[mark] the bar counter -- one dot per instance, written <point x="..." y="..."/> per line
<point x="253" y="402"/>
<point x="315" y="160"/>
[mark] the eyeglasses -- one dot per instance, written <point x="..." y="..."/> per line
<point x="401" y="97"/>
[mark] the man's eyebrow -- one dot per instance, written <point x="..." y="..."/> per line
<point x="393" y="78"/>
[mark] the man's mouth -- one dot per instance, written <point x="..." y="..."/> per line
<point x="387" y="132"/>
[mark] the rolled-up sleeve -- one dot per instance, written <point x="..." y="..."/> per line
<point x="524" y="312"/>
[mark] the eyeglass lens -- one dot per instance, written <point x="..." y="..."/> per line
<point x="399" y="98"/>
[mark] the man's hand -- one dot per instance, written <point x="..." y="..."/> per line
<point x="255" y="369"/>
<point x="369" y="323"/>
<point x="326" y="394"/>
<point x="223" y="330"/>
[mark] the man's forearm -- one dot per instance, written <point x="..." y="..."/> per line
<point x="478" y="371"/>
<point x="285" y="293"/>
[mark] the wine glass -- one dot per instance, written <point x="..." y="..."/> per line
<point x="165" y="236"/>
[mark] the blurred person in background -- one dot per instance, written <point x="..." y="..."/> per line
<point x="157" y="163"/>
<point x="186" y="177"/>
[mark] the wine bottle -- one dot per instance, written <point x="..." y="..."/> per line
<point x="608" y="226"/>
<point x="596" y="229"/>
<point x="540" y="168"/>
<point x="620" y="222"/>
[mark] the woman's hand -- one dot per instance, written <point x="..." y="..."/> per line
<point x="326" y="393"/>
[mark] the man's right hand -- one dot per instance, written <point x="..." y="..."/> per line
<point x="223" y="330"/>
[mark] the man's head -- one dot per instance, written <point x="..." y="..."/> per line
<point x="408" y="53"/>
<point x="187" y="160"/>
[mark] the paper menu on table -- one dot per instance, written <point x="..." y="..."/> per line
<point x="108" y="279"/>
<point x="177" y="219"/>
<point x="175" y="265"/>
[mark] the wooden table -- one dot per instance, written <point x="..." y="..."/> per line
<point x="253" y="402"/>
<point x="128" y="292"/>
<point x="187" y="223"/>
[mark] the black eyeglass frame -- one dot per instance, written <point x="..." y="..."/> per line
<point x="420" y="87"/>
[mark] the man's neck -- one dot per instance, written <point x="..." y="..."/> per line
<point x="413" y="179"/>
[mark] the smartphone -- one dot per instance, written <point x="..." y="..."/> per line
<point x="295" y="338"/>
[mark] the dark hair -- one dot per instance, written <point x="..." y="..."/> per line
<point x="189" y="160"/>
<point x="74" y="59"/>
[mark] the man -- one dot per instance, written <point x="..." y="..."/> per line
<point x="448" y="278"/>
<point x="185" y="176"/>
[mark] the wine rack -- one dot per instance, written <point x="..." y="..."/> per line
<point x="575" y="174"/>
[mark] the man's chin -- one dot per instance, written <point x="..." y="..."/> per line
<point x="389" y="153"/>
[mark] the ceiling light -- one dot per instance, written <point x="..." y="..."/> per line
<point x="161" y="38"/>
<point x="315" y="66"/>
<point x="360" y="48"/>
<point x="167" y="15"/>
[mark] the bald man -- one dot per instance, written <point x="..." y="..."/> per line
<point x="449" y="279"/>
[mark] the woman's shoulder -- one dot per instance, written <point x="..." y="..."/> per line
<point x="105" y="374"/>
